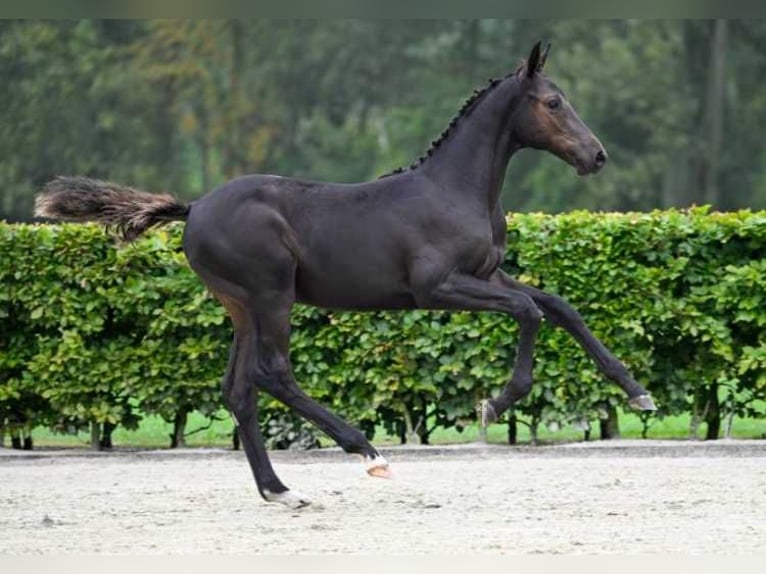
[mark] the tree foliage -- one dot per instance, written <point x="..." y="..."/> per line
<point x="185" y="105"/>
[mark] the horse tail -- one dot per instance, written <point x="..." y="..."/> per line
<point x="128" y="211"/>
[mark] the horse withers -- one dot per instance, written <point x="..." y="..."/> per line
<point x="429" y="236"/>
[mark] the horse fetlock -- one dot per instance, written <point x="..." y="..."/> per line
<point x="642" y="403"/>
<point x="289" y="498"/>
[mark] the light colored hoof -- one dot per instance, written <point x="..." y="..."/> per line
<point x="487" y="414"/>
<point x="289" y="498"/>
<point x="642" y="403"/>
<point x="377" y="466"/>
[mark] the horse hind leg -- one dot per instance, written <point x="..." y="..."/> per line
<point x="254" y="278"/>
<point x="274" y="375"/>
<point x="259" y="360"/>
<point x="241" y="397"/>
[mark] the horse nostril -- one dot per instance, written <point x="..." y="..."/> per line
<point x="600" y="159"/>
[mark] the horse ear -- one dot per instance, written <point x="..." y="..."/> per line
<point x="544" y="57"/>
<point x="534" y="60"/>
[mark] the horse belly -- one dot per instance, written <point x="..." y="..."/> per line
<point x="338" y="288"/>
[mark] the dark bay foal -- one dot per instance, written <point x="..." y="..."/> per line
<point x="431" y="236"/>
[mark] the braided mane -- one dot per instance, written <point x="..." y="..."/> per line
<point x="466" y="109"/>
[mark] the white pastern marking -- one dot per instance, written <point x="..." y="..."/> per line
<point x="375" y="462"/>
<point x="378" y="467"/>
<point x="289" y="498"/>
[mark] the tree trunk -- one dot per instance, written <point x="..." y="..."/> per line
<point x="513" y="429"/>
<point x="646" y="422"/>
<point x="177" y="439"/>
<point x="412" y="433"/>
<point x="422" y="431"/>
<point x="165" y="130"/>
<point x="694" y="424"/>
<point x="699" y="412"/>
<point x="729" y="425"/>
<point x="204" y="141"/>
<point x="533" y="425"/>
<point x="235" y="439"/>
<point x="15" y="440"/>
<point x="105" y="442"/>
<point x="610" y="426"/>
<point x="714" y="112"/>
<point x="713" y="416"/>
<point x="470" y="39"/>
<point x="233" y="152"/>
<point x="401" y="431"/>
<point x="95" y="435"/>
<point x="27" y="434"/>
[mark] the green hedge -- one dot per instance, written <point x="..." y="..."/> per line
<point x="93" y="333"/>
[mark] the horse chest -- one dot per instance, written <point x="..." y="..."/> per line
<point x="474" y="251"/>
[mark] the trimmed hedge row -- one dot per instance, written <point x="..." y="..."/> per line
<point x="95" y="334"/>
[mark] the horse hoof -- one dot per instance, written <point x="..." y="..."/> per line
<point x="289" y="498"/>
<point x="377" y="466"/>
<point x="486" y="413"/>
<point x="642" y="403"/>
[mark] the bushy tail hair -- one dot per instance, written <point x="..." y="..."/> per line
<point x="125" y="210"/>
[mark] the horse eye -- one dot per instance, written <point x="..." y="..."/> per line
<point x="554" y="104"/>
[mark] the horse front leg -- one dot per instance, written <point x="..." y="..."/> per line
<point x="562" y="314"/>
<point x="469" y="293"/>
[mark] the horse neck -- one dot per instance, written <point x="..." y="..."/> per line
<point x="471" y="162"/>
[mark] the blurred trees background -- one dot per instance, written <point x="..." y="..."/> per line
<point x="185" y="105"/>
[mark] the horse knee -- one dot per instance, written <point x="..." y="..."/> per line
<point x="528" y="312"/>
<point x="520" y="386"/>
<point x="560" y="312"/>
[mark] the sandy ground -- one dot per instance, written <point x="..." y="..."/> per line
<point x="594" y="498"/>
